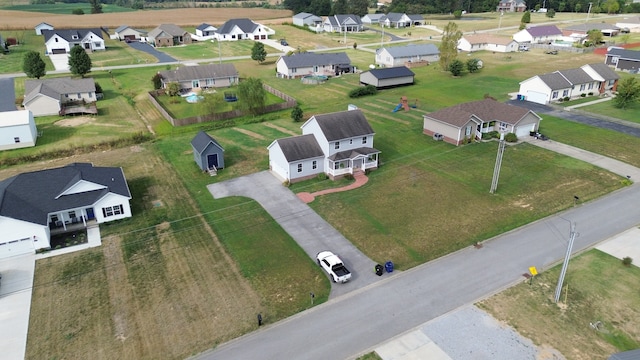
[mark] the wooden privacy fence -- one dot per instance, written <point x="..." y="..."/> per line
<point x="288" y="103"/>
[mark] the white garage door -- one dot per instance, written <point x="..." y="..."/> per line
<point x="524" y="130"/>
<point x="16" y="247"/>
<point x="536" y="97"/>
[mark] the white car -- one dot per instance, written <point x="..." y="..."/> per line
<point x="332" y="264"/>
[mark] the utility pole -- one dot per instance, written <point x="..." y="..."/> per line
<point x="565" y="265"/>
<point x="496" y="169"/>
<point x="589" y="12"/>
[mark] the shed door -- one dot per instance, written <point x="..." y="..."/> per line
<point x="212" y="160"/>
<point x="16" y="247"/>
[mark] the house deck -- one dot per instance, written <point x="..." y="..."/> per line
<point x="79" y="109"/>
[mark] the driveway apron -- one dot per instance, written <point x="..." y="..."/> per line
<point x="304" y="225"/>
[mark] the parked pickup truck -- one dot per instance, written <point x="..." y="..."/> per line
<point x="332" y="264"/>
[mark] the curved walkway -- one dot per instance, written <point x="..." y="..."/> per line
<point x="359" y="176"/>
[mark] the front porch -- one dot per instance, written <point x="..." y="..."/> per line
<point x="60" y="227"/>
<point x="351" y="161"/>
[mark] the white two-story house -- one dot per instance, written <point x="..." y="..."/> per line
<point x="336" y="144"/>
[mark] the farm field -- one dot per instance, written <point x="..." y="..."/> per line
<point x="169" y="262"/>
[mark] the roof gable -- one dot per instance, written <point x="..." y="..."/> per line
<point x="72" y="35"/>
<point x="32" y="196"/>
<point x="544" y="30"/>
<point x="576" y="76"/>
<point x="603" y="70"/>
<point x="342" y="125"/>
<point x="624" y="53"/>
<point x="56" y="87"/>
<point x="245" y="25"/>
<point x="168" y="29"/>
<point x="202" y="140"/>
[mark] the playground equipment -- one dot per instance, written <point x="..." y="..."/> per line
<point x="404" y="104"/>
<point x="230" y="97"/>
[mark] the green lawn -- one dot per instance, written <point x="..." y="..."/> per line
<point x="27" y="41"/>
<point x="597" y="288"/>
<point x="608" y="108"/>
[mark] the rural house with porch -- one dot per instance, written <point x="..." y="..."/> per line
<point x="61" y="41"/>
<point x="201" y="76"/>
<point x="36" y="205"/>
<point x="336" y="144"/>
<point x="60" y="96"/>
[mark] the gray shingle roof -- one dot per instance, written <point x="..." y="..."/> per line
<point x="413" y="50"/>
<point x="204" y="26"/>
<point x="576" y="76"/>
<point x="169" y="29"/>
<point x="71" y="35"/>
<point x="624" y="53"/>
<point x="555" y="81"/>
<point x="350" y="154"/>
<point x="209" y="71"/>
<point x="56" y="87"/>
<point x="343" y="125"/>
<point x="544" y="30"/>
<point x="626" y="355"/>
<point x="202" y="140"/>
<point x="604" y="70"/>
<point x="415" y="17"/>
<point x="486" y="110"/>
<point x="32" y="196"/>
<point x="394" y="17"/>
<point x="312" y="59"/>
<point x="246" y="25"/>
<point x="300" y="147"/>
<point x="337" y="20"/>
<point x="121" y="28"/>
<point x="392" y="72"/>
<point x="591" y="26"/>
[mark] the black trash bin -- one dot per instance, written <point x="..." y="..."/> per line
<point x="378" y="270"/>
<point x="388" y="266"/>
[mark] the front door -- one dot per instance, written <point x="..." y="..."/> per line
<point x="90" y="214"/>
<point x="212" y="160"/>
<point x="357" y="164"/>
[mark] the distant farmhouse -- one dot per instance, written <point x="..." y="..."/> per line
<point x="243" y="29"/>
<point x="511" y="6"/>
<point x="168" y="35"/>
<point x="311" y="21"/>
<point x="61" y="41"/>
<point x="487" y="42"/>
<point x="538" y="34"/>
<point x="343" y="23"/>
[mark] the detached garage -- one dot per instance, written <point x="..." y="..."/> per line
<point x="388" y="77"/>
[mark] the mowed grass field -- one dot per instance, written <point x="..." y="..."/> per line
<point x="597" y="288"/>
<point x="165" y="259"/>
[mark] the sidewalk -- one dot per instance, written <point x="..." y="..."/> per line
<point x="360" y="178"/>
<point x="569" y="108"/>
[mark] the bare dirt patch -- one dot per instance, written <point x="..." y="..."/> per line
<point x="250" y="133"/>
<point x="280" y="128"/>
<point x="74" y="121"/>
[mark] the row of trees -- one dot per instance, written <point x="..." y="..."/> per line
<point x="79" y="63"/>
<point x="329" y="7"/>
<point x="475" y="6"/>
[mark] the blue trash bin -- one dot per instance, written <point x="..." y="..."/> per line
<point x="388" y="266"/>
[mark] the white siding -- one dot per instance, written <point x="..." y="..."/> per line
<point x="17" y="230"/>
<point x="536" y="85"/>
<point x="311" y="127"/>
<point x="111" y="200"/>
<point x="277" y="162"/>
<point x="307" y="168"/>
<point x="25" y="133"/>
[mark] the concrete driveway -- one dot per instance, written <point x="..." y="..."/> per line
<point x="162" y="57"/>
<point x="60" y="61"/>
<point x="304" y="225"/>
<point x="15" y="304"/>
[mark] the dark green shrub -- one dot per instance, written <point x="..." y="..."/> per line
<point x="566" y="98"/>
<point x="491" y="135"/>
<point x="591" y="94"/>
<point x="511" y="137"/>
<point x="583" y="95"/>
<point x="322" y="176"/>
<point x="626" y="261"/>
<point x="77" y="12"/>
<point x="363" y="91"/>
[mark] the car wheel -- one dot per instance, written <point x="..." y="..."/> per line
<point x="318" y="261"/>
<point x="334" y="279"/>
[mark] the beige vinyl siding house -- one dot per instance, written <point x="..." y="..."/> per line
<point x="400" y="55"/>
<point x="299" y="65"/>
<point x="201" y="76"/>
<point x="487" y="42"/>
<point x="48" y="96"/>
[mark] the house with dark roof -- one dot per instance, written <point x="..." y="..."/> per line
<point x="587" y="80"/>
<point x="43" y="26"/>
<point x="51" y="96"/>
<point x="388" y="77"/>
<point x="487" y="42"/>
<point x="201" y="76"/>
<point x="206" y="31"/>
<point x="465" y="121"/>
<point x="243" y="29"/>
<point x="511" y="6"/>
<point x="303" y="19"/>
<point x="127" y="33"/>
<point x="400" y="55"/>
<point x="36" y="205"/>
<point x="336" y="144"/>
<point x="343" y="23"/>
<point x="61" y="41"/>
<point x="626" y="355"/>
<point x="207" y="153"/>
<point x="538" y="34"/>
<point x="168" y="35"/>
<point x="623" y="59"/>
<point x="400" y="20"/>
<point x="17" y="129"/>
<point x="302" y="64"/>
<point x="372" y="19"/>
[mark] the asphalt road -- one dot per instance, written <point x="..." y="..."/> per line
<point x="162" y="57"/>
<point x="354" y="324"/>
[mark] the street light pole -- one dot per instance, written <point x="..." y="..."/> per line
<point x="589" y="12"/>
<point x="500" y="22"/>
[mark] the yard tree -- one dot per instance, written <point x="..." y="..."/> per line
<point x="594" y="37"/>
<point x="252" y="96"/>
<point x="628" y="93"/>
<point x="551" y="13"/>
<point x="526" y="17"/>
<point x="173" y="89"/>
<point x="157" y="81"/>
<point x="449" y="45"/>
<point x="96" y="6"/>
<point x="359" y="7"/>
<point x="473" y="65"/>
<point x="79" y="61"/>
<point x="258" y="53"/>
<point x="578" y="7"/>
<point x="210" y="102"/>
<point x="297" y="114"/>
<point x="340" y="7"/>
<point x="612" y="6"/>
<point x="456" y="66"/>
<point x="33" y="65"/>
